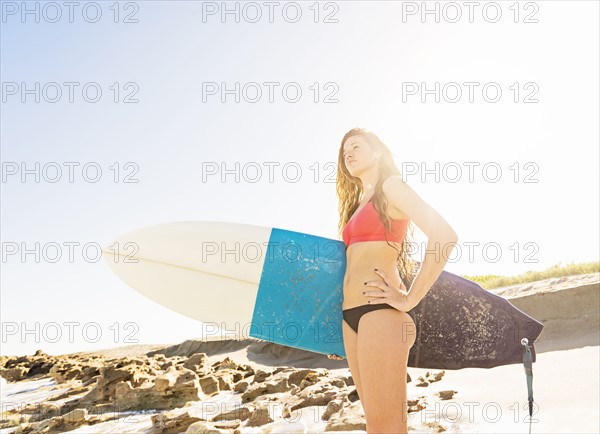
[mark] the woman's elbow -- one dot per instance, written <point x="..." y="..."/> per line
<point x="448" y="236"/>
<point x="443" y="236"/>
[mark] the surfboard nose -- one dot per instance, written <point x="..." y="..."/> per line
<point x="205" y="270"/>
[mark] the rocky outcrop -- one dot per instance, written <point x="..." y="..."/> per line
<point x="94" y="389"/>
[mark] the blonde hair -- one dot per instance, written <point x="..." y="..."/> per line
<point x="349" y="188"/>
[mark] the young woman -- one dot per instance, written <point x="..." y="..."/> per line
<point x="376" y="208"/>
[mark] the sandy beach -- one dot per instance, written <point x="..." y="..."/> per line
<point x="259" y="387"/>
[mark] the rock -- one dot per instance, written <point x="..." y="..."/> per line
<point x="110" y="376"/>
<point x="67" y="422"/>
<point x="316" y="394"/>
<point x="241" y="386"/>
<point x="15" y="374"/>
<point x="166" y="380"/>
<point x="126" y="397"/>
<point x="430" y="378"/>
<point x="282" y="380"/>
<point x="348" y="418"/>
<point x="91" y="381"/>
<point x="446" y="394"/>
<point x="33" y="412"/>
<point x="258" y="389"/>
<point x="261" y="376"/>
<point x="209" y="385"/>
<point x="14" y="361"/>
<point x="260" y="416"/>
<point x="226" y="379"/>
<point x="40" y="367"/>
<point x="46" y="425"/>
<point x="310" y="379"/>
<point x="338" y="382"/>
<point x="117" y="384"/>
<point x="353" y="396"/>
<point x="241" y="413"/>
<point x="227" y="425"/>
<point x="108" y="386"/>
<point x="171" y="422"/>
<point x="414" y="405"/>
<point x="298" y="375"/>
<point x="226" y="363"/>
<point x="187" y="384"/>
<point x="198" y="363"/>
<point x="77" y="416"/>
<point x="88" y="373"/>
<point x="61" y="368"/>
<point x="332" y="407"/>
<point x="435" y="426"/>
<point x="203" y="428"/>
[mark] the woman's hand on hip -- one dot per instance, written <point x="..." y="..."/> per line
<point x="395" y="297"/>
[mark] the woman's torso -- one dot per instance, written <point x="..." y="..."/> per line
<point x="361" y="260"/>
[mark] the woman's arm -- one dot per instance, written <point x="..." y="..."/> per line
<point x="441" y="238"/>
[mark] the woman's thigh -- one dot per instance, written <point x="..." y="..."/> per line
<point x="384" y="340"/>
<point x="350" y="347"/>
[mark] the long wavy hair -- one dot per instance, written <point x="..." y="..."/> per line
<point x="349" y="188"/>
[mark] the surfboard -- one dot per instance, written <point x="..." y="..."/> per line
<point x="286" y="287"/>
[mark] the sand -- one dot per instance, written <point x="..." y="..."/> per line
<point x="566" y="373"/>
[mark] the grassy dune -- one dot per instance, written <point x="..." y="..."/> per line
<point x="490" y="281"/>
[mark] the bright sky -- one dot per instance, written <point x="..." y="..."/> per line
<point x="168" y="118"/>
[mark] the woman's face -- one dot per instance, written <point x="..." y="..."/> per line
<point x="358" y="155"/>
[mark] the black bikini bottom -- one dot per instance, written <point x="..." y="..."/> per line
<point x="352" y="316"/>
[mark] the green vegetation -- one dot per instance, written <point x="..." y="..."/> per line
<point x="490" y="281"/>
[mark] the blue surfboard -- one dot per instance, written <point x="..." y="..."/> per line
<point x="459" y="324"/>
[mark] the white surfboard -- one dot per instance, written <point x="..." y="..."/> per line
<point x="208" y="271"/>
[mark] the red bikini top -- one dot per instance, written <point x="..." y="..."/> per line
<point x="366" y="226"/>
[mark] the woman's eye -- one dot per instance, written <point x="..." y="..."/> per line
<point x="355" y="146"/>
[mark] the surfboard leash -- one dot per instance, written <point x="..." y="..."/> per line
<point x="527" y="364"/>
